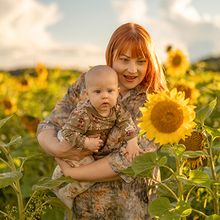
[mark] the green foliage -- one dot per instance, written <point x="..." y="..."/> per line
<point x="185" y="192"/>
<point x="22" y="164"/>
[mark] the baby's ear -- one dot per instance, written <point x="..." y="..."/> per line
<point x="118" y="89"/>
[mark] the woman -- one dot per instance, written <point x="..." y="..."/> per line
<point x="131" y="54"/>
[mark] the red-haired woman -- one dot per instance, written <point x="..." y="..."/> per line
<point x="131" y="54"/>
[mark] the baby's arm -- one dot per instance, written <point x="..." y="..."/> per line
<point x="129" y="134"/>
<point x="75" y="129"/>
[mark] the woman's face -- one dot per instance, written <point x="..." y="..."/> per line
<point x="131" y="70"/>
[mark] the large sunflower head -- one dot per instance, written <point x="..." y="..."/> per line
<point x="177" y="63"/>
<point x="188" y="88"/>
<point x="194" y="142"/>
<point x="167" y="117"/>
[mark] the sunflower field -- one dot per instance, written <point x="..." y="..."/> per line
<point x="184" y="121"/>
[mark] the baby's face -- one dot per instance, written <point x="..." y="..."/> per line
<point x="103" y="93"/>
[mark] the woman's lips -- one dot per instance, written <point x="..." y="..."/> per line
<point x="130" y="78"/>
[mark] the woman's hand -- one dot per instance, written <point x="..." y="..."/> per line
<point x="65" y="167"/>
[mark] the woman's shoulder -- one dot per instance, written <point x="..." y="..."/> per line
<point x="80" y="82"/>
<point x="77" y="89"/>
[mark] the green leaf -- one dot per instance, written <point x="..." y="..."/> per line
<point x="169" y="216"/>
<point x="203" y="113"/>
<point x="183" y="208"/>
<point x="8" y="178"/>
<point x="178" y="149"/>
<point x="213" y="217"/>
<point x="3" y="121"/>
<point x="162" y="161"/>
<point x="159" y="206"/>
<point x="47" y="183"/>
<point x="144" y="162"/>
<point x="194" y="154"/>
<point x="129" y="171"/>
<point x="200" y="178"/>
<point x="215" y="133"/>
<point x="14" y="140"/>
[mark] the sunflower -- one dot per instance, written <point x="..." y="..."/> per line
<point x="177" y="63"/>
<point x="9" y="105"/>
<point x="189" y="90"/>
<point x="42" y="75"/>
<point x="167" y="117"/>
<point x="24" y="83"/>
<point x="194" y="142"/>
<point x="30" y="123"/>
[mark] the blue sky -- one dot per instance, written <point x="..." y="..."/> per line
<point x="74" y="33"/>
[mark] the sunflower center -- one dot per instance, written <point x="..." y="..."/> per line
<point x="24" y="82"/>
<point x="7" y="104"/>
<point x="184" y="89"/>
<point x="166" y="116"/>
<point x="194" y="142"/>
<point x="177" y="59"/>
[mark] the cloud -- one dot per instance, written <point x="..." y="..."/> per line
<point x="25" y="39"/>
<point x="176" y="22"/>
<point x="131" y="10"/>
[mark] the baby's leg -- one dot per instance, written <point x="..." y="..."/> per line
<point x="67" y="193"/>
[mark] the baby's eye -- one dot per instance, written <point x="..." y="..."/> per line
<point x="97" y="91"/>
<point x="110" y="90"/>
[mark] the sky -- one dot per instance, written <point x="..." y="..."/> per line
<point x="74" y="33"/>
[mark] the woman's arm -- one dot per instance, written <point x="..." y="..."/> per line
<point x="50" y="144"/>
<point x="47" y="129"/>
<point x="98" y="171"/>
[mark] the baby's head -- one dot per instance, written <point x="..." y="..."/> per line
<point x="102" y="87"/>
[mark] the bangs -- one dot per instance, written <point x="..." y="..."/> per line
<point x="138" y="48"/>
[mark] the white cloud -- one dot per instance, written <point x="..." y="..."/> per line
<point x="178" y="22"/>
<point x="24" y="24"/>
<point x="25" y="39"/>
<point x="184" y="9"/>
<point x="131" y="10"/>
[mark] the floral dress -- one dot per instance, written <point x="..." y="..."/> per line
<point x="123" y="199"/>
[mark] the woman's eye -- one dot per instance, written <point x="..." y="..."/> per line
<point x="141" y="61"/>
<point x="124" y="59"/>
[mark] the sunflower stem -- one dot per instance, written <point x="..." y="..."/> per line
<point x="179" y="183"/>
<point x="214" y="176"/>
<point x="199" y="212"/>
<point x="168" y="188"/>
<point x="16" y="185"/>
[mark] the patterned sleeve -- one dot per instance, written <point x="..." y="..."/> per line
<point x="125" y="123"/>
<point x="76" y="127"/>
<point x="63" y="108"/>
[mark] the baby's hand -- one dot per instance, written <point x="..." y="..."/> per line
<point x="132" y="149"/>
<point x="93" y="143"/>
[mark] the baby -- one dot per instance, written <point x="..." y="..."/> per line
<point x="89" y="127"/>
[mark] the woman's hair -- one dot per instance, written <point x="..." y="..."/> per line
<point x="134" y="36"/>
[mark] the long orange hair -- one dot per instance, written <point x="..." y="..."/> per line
<point x="134" y="36"/>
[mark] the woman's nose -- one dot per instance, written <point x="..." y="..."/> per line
<point x="132" y="68"/>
